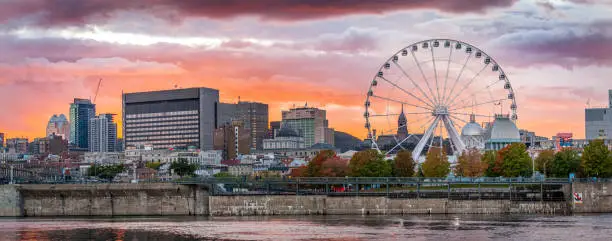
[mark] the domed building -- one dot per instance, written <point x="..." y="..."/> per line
<point x="58" y="126"/>
<point x="472" y="135"/>
<point x="284" y="138"/>
<point x="501" y="133"/>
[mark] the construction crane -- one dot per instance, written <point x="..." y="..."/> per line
<point x="97" y="89"/>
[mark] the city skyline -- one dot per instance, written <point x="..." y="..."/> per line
<point x="304" y="54"/>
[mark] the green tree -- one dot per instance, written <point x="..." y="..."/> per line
<point x="471" y="164"/>
<point x="515" y="160"/>
<point x="107" y="172"/>
<point x="565" y="162"/>
<point x="153" y="165"/>
<point x="369" y="163"/>
<point x="490" y="158"/>
<point x="436" y="163"/>
<point x="403" y="165"/>
<point x="183" y="168"/>
<point x="596" y="161"/>
<point x="545" y="158"/>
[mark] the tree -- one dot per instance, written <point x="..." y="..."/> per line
<point x="493" y="168"/>
<point x="153" y="165"/>
<point x="334" y="167"/>
<point x="314" y="167"/>
<point x="436" y="163"/>
<point x="369" y="163"/>
<point x="403" y="165"/>
<point x="183" y="168"/>
<point x="545" y="158"/>
<point x="106" y="171"/>
<point x="298" y="172"/>
<point x="565" y="162"/>
<point x="471" y="164"/>
<point x="515" y="160"/>
<point x="596" y="160"/>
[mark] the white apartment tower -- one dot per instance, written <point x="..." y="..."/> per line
<point x="102" y="133"/>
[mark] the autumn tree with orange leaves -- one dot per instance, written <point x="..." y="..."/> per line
<point x="471" y="164"/>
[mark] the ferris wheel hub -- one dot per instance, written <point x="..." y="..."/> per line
<point x="440" y="110"/>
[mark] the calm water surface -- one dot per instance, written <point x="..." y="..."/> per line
<point x="443" y="227"/>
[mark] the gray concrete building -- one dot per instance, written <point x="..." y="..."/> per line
<point x="598" y="121"/>
<point x="177" y="118"/>
<point x="102" y="133"/>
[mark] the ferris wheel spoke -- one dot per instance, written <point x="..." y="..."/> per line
<point x="400" y="102"/>
<point x="424" y="78"/>
<point x="459" y="76"/>
<point x="466" y="86"/>
<point x="450" y="55"/>
<point x="458" y="119"/>
<point x="399" y="144"/>
<point x="407" y="92"/>
<point x="417" y="120"/>
<point x="488" y="87"/>
<point x="435" y="73"/>
<point x="415" y="84"/>
<point x="468" y="114"/>
<point x="477" y="104"/>
<point x="397" y="114"/>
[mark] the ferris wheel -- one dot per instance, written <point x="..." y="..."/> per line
<point x="426" y="92"/>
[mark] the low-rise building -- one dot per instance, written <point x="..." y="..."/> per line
<point x="104" y="157"/>
<point x="241" y="170"/>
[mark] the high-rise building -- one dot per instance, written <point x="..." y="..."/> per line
<point x="275" y="126"/>
<point x="598" y="121"/>
<point x="1" y="140"/>
<point x="255" y="118"/>
<point x="310" y="123"/>
<point x="81" y="110"/>
<point x="102" y="133"/>
<point x="233" y="139"/>
<point x="254" y="115"/>
<point x="59" y="126"/>
<point x="165" y="119"/>
<point x="610" y="99"/>
<point x="17" y="145"/>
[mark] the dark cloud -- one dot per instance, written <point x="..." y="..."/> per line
<point x="567" y="45"/>
<point x="78" y="12"/>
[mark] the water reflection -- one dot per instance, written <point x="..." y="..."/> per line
<point x="451" y="227"/>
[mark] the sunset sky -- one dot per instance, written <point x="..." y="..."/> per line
<point x="557" y="53"/>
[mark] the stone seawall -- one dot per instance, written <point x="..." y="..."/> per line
<point x="324" y="205"/>
<point x="596" y="197"/>
<point x="102" y="200"/>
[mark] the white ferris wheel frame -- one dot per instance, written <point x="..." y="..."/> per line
<point x="441" y="106"/>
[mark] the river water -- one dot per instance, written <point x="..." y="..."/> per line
<point x="435" y="227"/>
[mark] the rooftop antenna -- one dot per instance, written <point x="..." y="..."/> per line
<point x="588" y="103"/>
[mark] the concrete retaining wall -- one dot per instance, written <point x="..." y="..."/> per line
<point x="306" y="205"/>
<point x="596" y="197"/>
<point x="102" y="200"/>
<point x="11" y="204"/>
